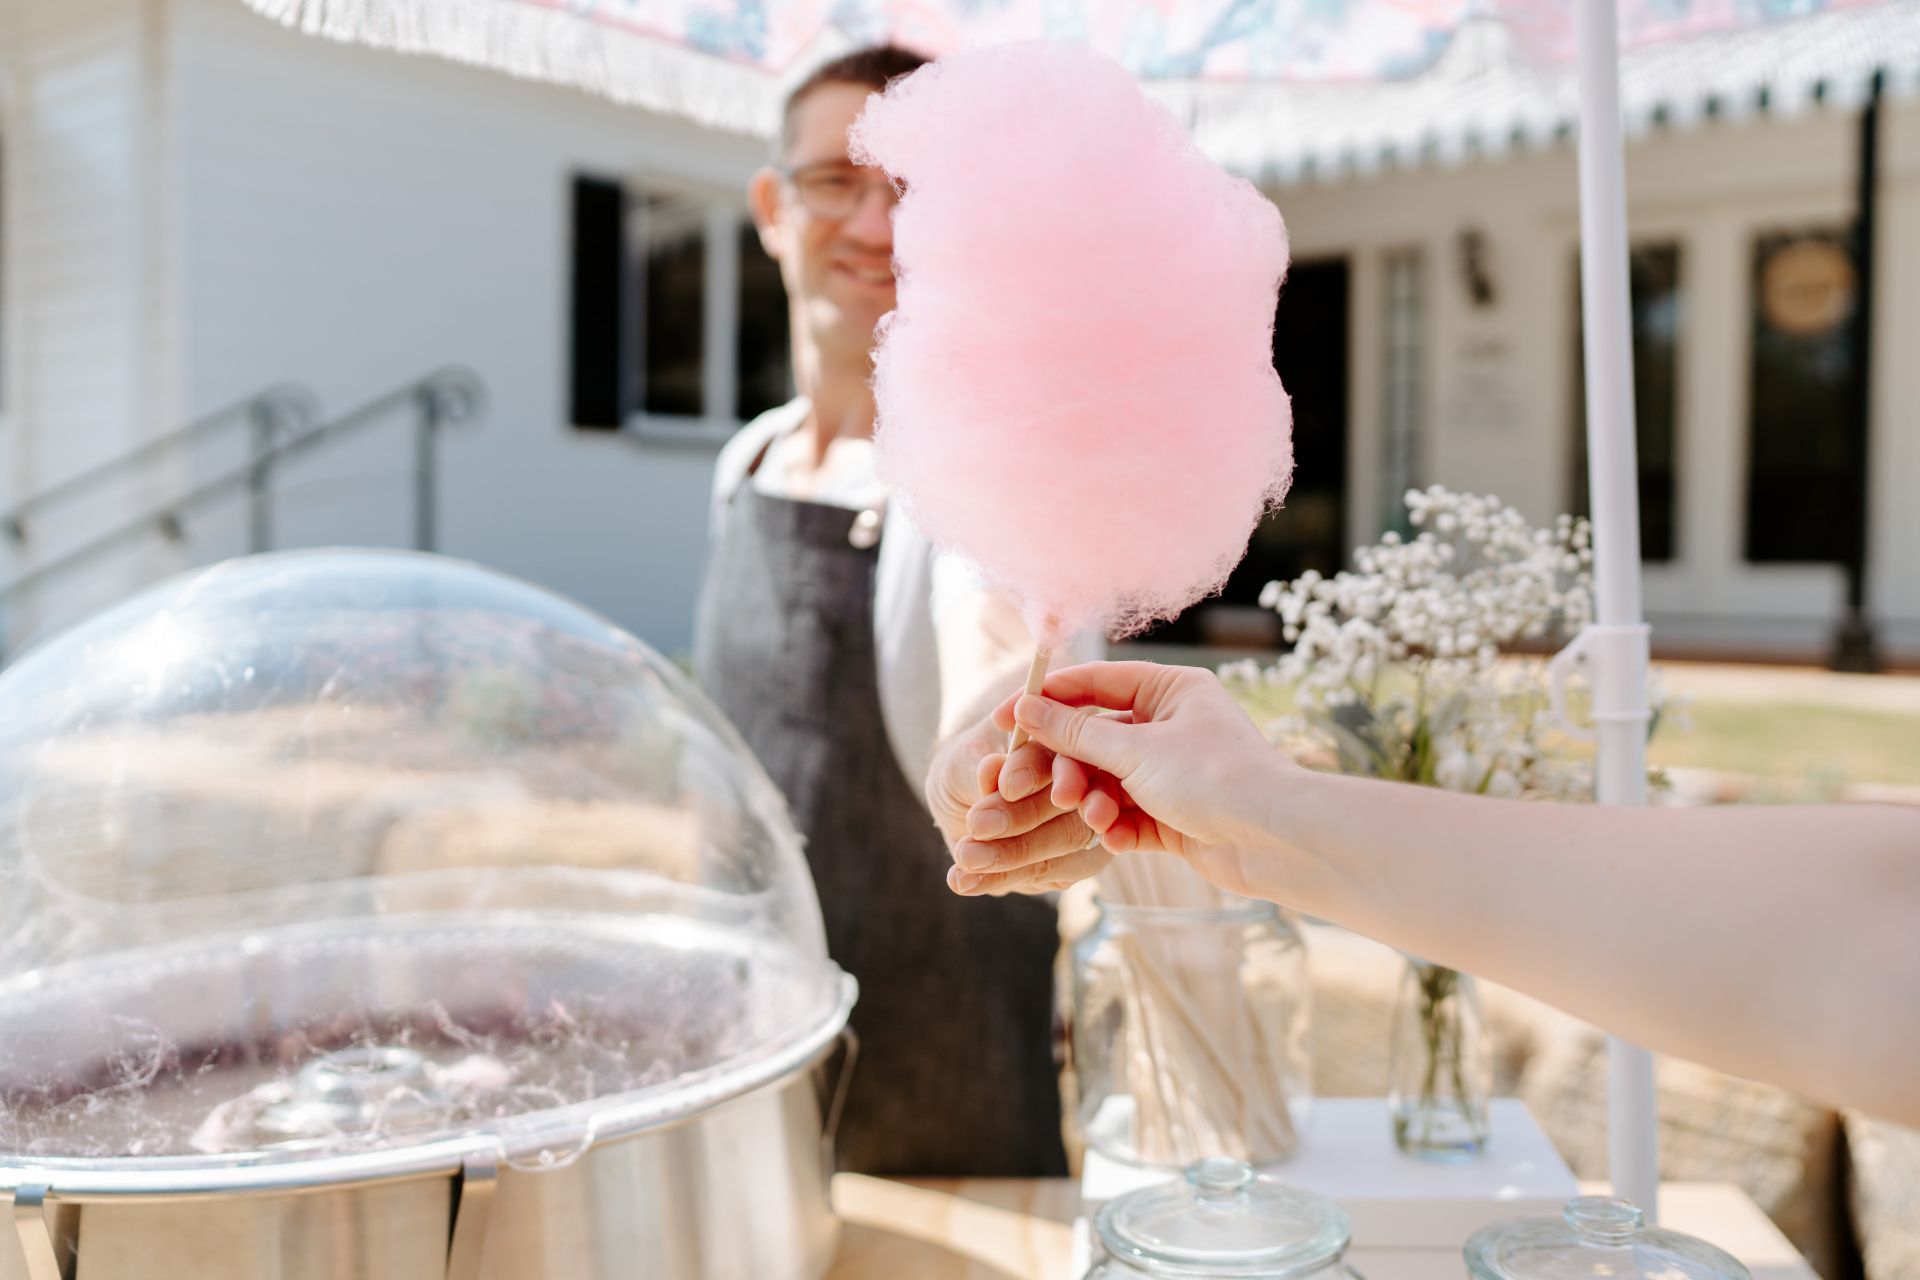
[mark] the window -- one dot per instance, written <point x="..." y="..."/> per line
<point x="1400" y="454"/>
<point x="1655" y="303"/>
<point x="668" y="270"/>
<point x="1801" y="450"/>
<point x="679" y="318"/>
<point x="762" y="354"/>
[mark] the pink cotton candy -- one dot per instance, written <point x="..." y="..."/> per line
<point x="1076" y="391"/>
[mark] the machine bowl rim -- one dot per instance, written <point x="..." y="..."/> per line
<point x="81" y="1179"/>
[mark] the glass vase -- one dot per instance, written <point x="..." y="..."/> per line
<point x="1439" y="1081"/>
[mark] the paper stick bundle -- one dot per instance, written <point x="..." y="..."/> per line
<point x="1204" y="1059"/>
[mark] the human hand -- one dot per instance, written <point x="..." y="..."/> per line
<point x="1167" y="761"/>
<point x="993" y="806"/>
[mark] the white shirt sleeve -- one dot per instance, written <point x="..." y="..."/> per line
<point x="984" y="645"/>
<point x="904" y="645"/>
<point x="942" y="640"/>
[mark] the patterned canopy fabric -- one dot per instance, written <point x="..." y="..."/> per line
<point x="1165" y="39"/>
<point x="725" y="62"/>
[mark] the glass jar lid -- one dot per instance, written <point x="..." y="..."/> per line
<point x="1595" y="1236"/>
<point x="1224" y="1219"/>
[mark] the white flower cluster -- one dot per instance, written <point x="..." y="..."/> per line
<point x="1402" y="667"/>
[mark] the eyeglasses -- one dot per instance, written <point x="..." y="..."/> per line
<point x="834" y="189"/>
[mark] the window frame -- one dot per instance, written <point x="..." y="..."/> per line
<point x="1405" y="371"/>
<point x="726" y="214"/>
<point x="1577" y="464"/>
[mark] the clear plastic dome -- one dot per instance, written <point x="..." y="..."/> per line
<point x="336" y="852"/>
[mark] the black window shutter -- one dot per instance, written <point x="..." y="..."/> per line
<point x="599" y="398"/>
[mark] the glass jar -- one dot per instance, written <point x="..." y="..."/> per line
<point x="1222" y="1219"/>
<point x="1595" y="1236"/>
<point x="1189" y="1033"/>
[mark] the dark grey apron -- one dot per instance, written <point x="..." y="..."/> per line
<point x="955" y="1074"/>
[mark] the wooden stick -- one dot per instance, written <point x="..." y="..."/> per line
<point x="1036" y="678"/>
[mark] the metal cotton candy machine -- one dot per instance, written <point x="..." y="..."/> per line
<point x="374" y="916"/>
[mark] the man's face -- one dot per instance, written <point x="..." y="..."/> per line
<point x="830" y="223"/>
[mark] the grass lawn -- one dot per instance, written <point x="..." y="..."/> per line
<point x="1815" y="747"/>
<point x="1803" y="748"/>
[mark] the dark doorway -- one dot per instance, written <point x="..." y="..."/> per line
<point x="1801" y="503"/>
<point x="1309" y="532"/>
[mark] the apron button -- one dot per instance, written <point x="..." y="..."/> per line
<point x="866" y="529"/>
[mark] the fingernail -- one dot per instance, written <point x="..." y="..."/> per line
<point x="974" y="857"/>
<point x="987" y="823"/>
<point x="1029" y="709"/>
<point x="1020" y="783"/>
<point x="964" y="883"/>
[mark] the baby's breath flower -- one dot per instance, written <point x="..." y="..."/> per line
<point x="1409" y="646"/>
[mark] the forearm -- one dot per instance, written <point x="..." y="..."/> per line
<point x="1777" y="943"/>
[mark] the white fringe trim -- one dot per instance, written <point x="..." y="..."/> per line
<point x="1483" y="100"/>
<point x="538" y="43"/>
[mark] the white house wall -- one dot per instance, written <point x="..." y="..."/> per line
<point x="89" y="358"/>
<point x="1710" y="190"/>
<point x="353" y="219"/>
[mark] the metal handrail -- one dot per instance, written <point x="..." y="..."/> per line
<point x="280" y="409"/>
<point x="445" y="397"/>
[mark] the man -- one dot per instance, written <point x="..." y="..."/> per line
<point x="854" y="660"/>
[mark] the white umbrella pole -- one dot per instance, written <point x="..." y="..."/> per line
<point x="1618" y="646"/>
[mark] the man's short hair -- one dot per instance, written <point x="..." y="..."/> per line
<point x="874" y="67"/>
